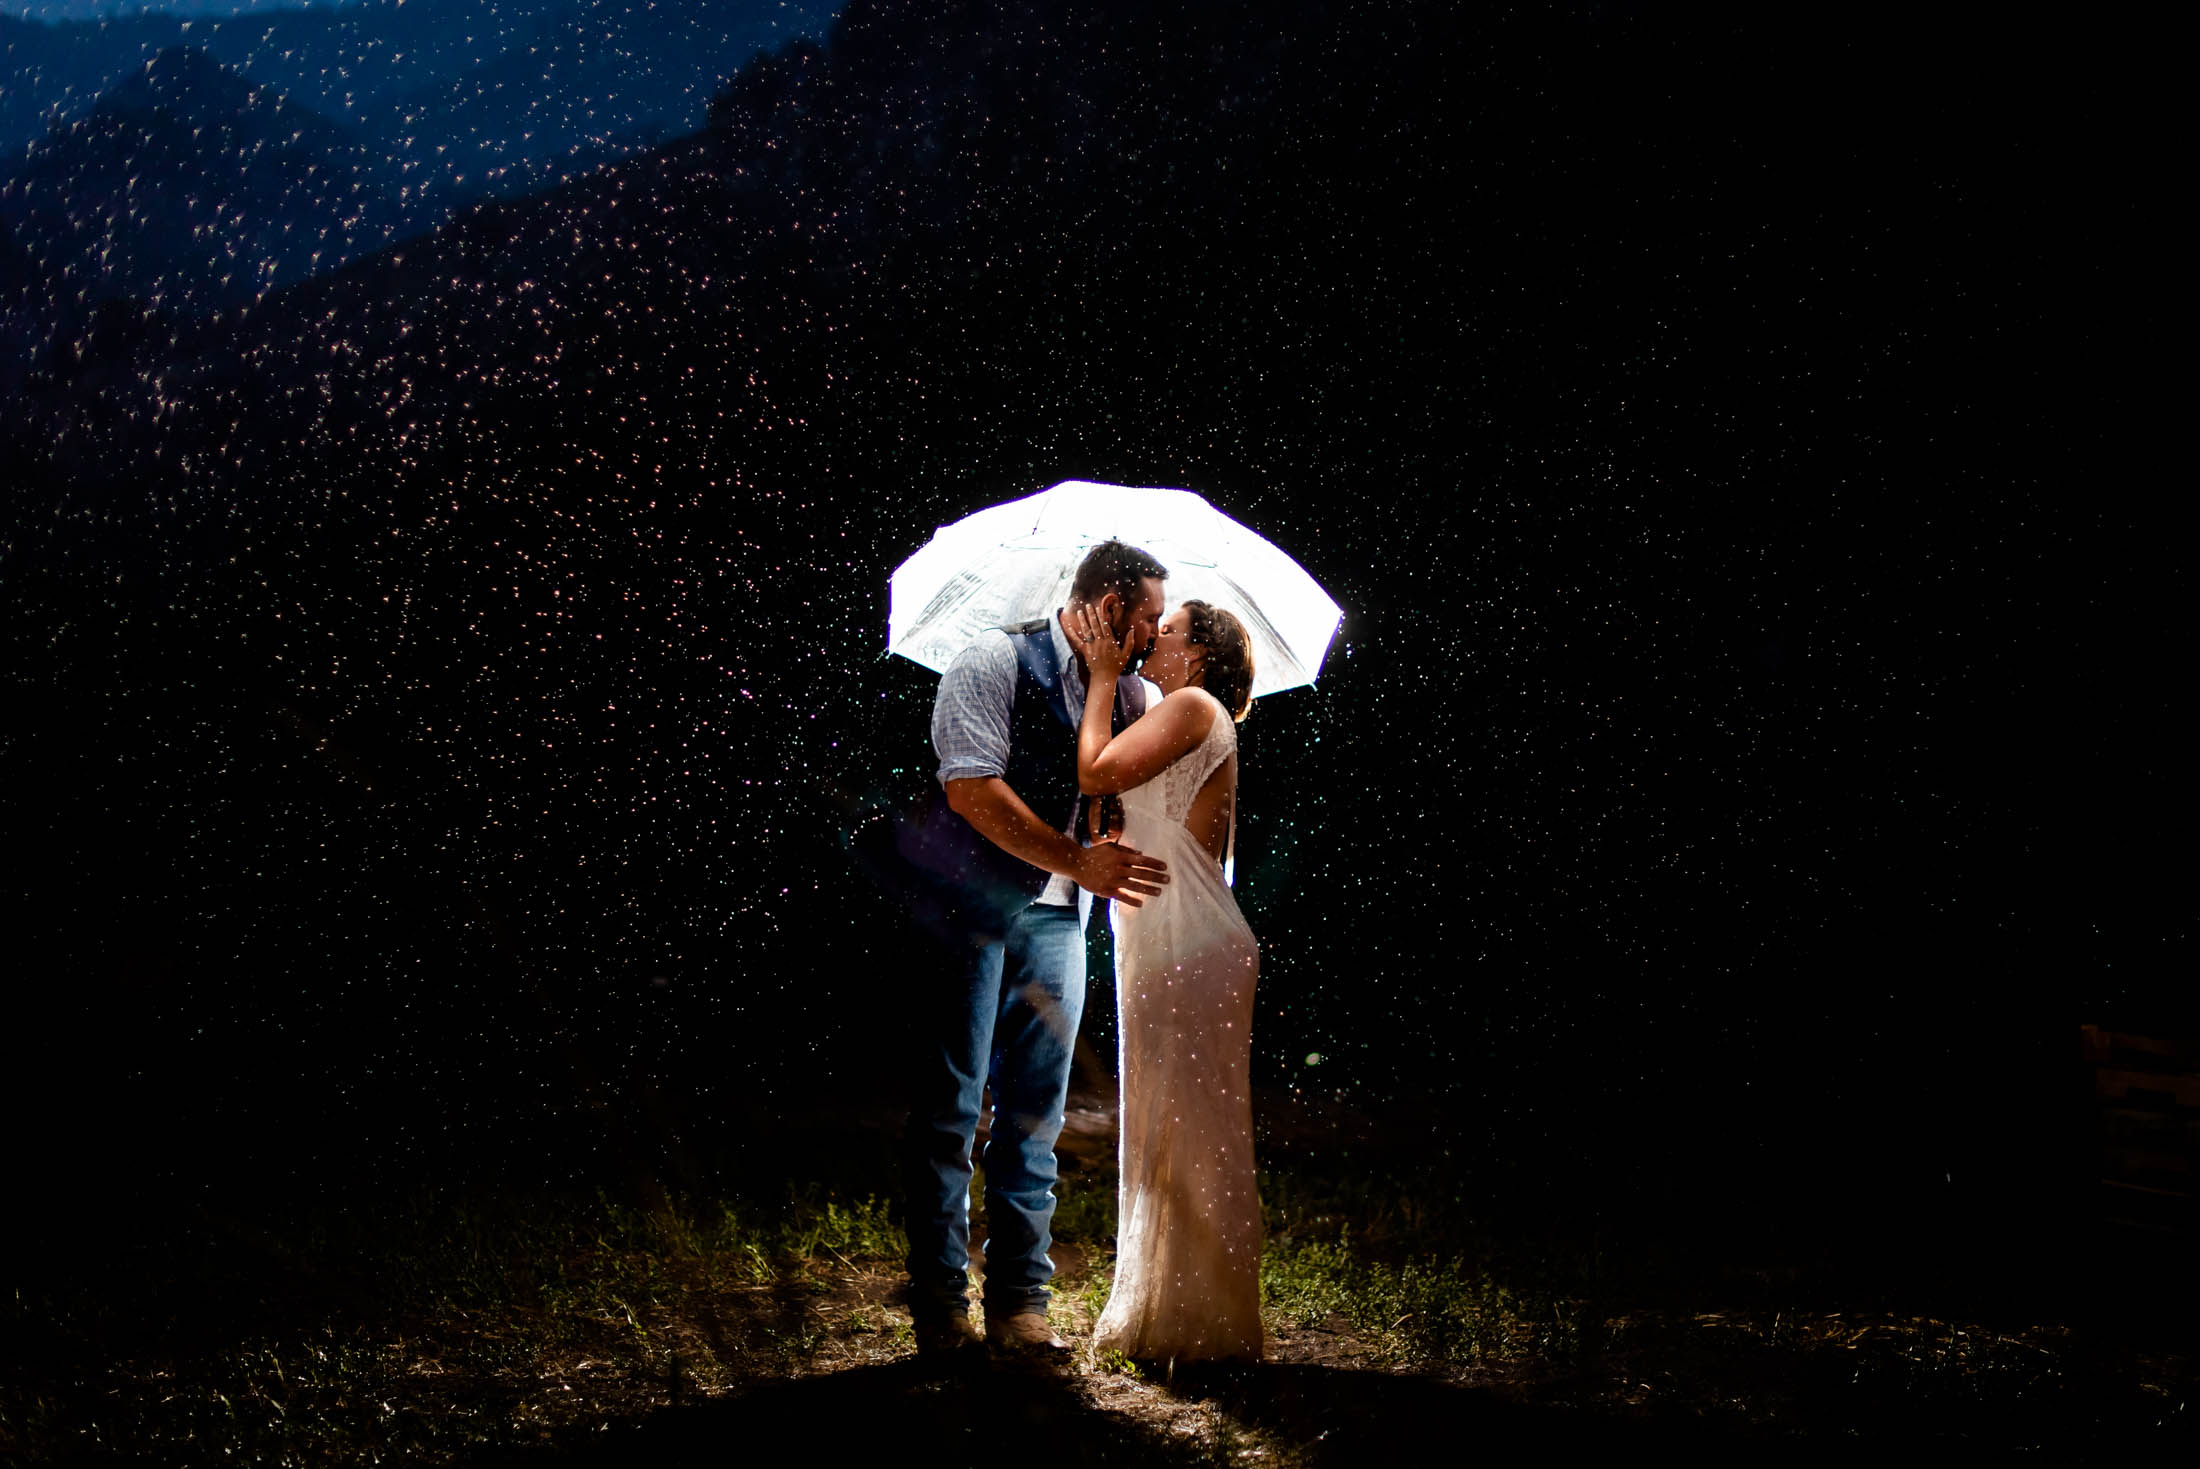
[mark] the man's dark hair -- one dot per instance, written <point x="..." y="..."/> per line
<point x="1114" y="566"/>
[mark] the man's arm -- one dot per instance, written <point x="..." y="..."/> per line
<point x="1109" y="869"/>
<point x="970" y="730"/>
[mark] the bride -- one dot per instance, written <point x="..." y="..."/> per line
<point x="1187" y="1274"/>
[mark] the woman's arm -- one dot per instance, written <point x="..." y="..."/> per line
<point x="1144" y="750"/>
<point x="1108" y="765"/>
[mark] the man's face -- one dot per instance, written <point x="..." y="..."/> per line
<point x="1142" y="622"/>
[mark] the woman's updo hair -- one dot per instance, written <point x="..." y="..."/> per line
<point x="1227" y="670"/>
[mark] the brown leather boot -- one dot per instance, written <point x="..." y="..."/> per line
<point x="938" y="1335"/>
<point x="1024" y="1332"/>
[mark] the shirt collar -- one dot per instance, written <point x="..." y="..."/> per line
<point x="1063" y="657"/>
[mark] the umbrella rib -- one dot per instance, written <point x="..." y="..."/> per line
<point x="1250" y="610"/>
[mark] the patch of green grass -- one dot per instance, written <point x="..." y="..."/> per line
<point x="1420" y="1309"/>
<point x="1412" y="1276"/>
<point x="602" y="1257"/>
<point x="813" y="1225"/>
<point x="1084" y="1208"/>
<point x="1091" y="1295"/>
<point x="1116" y="1362"/>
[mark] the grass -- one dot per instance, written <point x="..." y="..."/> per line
<point x="1420" y="1310"/>
<point x="1417" y="1283"/>
<point x="1084" y="1208"/>
<point x="567" y="1254"/>
<point x="430" y="1331"/>
<point x="1426" y="1288"/>
<point x="441" y="1327"/>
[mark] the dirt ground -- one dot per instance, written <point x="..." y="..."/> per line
<point x="1725" y="1372"/>
<point x="1322" y="1397"/>
<point x="622" y="1338"/>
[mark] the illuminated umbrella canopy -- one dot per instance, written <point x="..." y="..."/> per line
<point x="1012" y="563"/>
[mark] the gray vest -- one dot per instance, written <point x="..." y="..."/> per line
<point x="954" y="877"/>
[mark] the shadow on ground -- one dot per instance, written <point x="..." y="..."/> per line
<point x="977" y="1414"/>
<point x="1341" y="1416"/>
<point x="904" y="1413"/>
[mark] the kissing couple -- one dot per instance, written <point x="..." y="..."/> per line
<point x="1090" y="753"/>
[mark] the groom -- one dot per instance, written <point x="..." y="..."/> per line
<point x="1012" y="889"/>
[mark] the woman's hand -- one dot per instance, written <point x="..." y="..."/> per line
<point x="1104" y="653"/>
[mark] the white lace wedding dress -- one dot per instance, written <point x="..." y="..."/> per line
<point x="1188" y="1230"/>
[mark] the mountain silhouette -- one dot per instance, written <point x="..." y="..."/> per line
<point x="589" y="81"/>
<point x="185" y="190"/>
<point x="489" y="628"/>
<point x="386" y="67"/>
<point x="178" y="187"/>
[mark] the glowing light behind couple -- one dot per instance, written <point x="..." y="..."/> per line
<point x="1012" y="562"/>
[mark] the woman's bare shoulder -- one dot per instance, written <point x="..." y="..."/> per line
<point x="1195" y="703"/>
<point x="1197" y="711"/>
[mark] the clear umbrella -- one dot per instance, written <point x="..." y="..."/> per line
<point x="1012" y="563"/>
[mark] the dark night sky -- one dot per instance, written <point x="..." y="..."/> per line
<point x="441" y="688"/>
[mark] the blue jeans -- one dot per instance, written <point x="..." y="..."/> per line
<point x="1003" y="1013"/>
